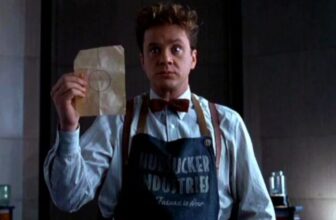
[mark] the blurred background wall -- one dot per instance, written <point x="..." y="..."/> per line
<point x="19" y="103"/>
<point x="289" y="51"/>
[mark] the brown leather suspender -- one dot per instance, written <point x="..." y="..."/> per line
<point x="217" y="132"/>
<point x="126" y="129"/>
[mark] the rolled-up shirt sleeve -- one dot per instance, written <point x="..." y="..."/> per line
<point x="74" y="167"/>
<point x="252" y="194"/>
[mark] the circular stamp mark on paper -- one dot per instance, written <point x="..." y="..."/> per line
<point x="99" y="80"/>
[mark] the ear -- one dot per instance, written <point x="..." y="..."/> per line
<point x="193" y="58"/>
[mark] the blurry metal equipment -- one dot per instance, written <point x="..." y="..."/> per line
<point x="5" y="194"/>
<point x="278" y="189"/>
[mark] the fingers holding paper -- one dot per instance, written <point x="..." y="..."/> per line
<point x="63" y="93"/>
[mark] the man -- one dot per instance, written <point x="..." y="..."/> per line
<point x="174" y="155"/>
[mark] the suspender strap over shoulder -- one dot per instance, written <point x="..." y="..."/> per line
<point x="200" y="117"/>
<point x="217" y="132"/>
<point x="126" y="129"/>
<point x="143" y="114"/>
<point x="128" y="121"/>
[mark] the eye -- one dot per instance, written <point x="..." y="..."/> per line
<point x="154" y="50"/>
<point x="177" y="49"/>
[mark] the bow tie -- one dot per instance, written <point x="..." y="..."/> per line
<point x="178" y="105"/>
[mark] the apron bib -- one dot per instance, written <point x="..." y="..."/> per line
<point x="169" y="180"/>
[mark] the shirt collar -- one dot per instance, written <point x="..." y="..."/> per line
<point x="185" y="95"/>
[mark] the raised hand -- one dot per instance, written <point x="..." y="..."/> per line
<point x="63" y="93"/>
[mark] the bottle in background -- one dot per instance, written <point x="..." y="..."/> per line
<point x="5" y="194"/>
<point x="278" y="189"/>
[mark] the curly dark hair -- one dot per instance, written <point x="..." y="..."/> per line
<point x="167" y="13"/>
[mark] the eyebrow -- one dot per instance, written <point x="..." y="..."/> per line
<point x="170" y="41"/>
<point x="176" y="40"/>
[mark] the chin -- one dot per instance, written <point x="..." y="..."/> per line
<point x="165" y="87"/>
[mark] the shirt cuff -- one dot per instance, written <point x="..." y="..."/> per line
<point x="68" y="142"/>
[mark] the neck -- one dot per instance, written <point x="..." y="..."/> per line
<point x="168" y="94"/>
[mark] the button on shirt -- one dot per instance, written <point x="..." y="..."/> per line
<point x="76" y="167"/>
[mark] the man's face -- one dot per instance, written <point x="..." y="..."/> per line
<point x="167" y="59"/>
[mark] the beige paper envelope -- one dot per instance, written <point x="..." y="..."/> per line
<point x="104" y="68"/>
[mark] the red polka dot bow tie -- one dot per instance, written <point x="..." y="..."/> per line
<point x="178" y="105"/>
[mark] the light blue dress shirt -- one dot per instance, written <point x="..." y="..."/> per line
<point x="74" y="167"/>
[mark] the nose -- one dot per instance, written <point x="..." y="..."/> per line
<point x="166" y="58"/>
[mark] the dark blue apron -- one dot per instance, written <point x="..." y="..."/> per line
<point x="169" y="180"/>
